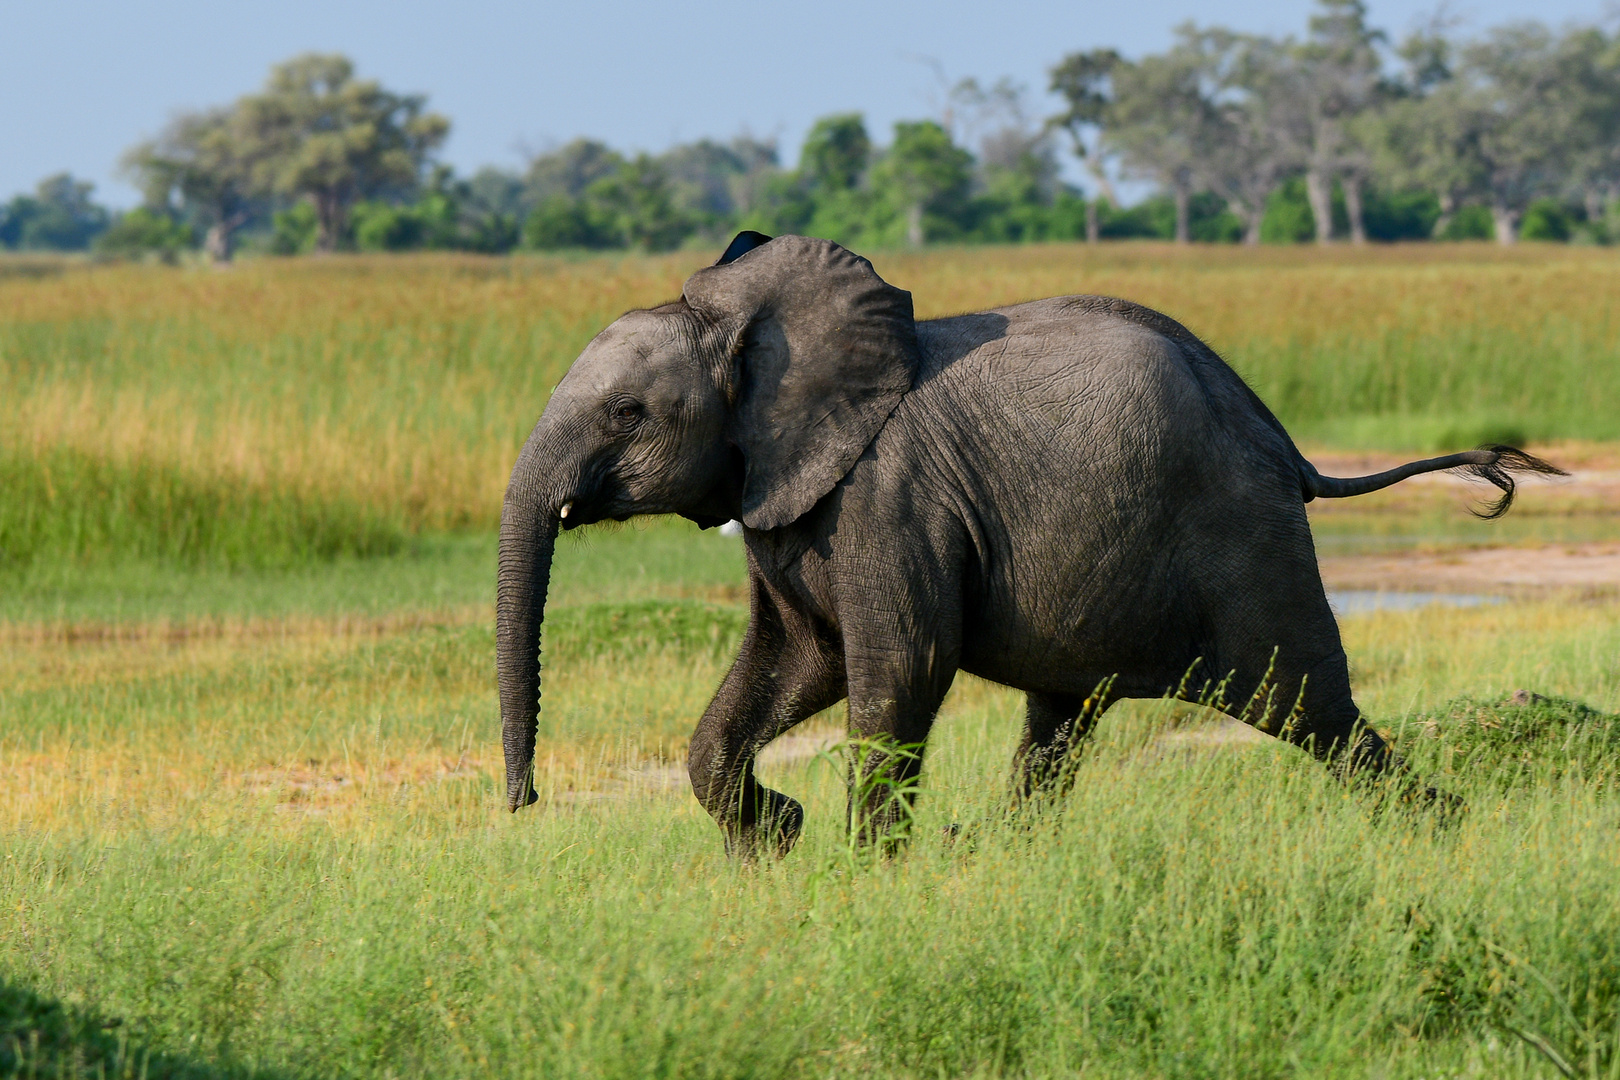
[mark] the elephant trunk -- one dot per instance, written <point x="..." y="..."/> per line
<point x="529" y="523"/>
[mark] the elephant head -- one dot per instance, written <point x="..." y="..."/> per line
<point x="749" y="397"/>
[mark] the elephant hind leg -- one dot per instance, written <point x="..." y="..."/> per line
<point x="1308" y="704"/>
<point x="1055" y="727"/>
<point x="1313" y="709"/>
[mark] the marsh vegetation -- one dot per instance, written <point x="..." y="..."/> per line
<point x="250" y="792"/>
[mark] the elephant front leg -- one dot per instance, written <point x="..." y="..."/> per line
<point x="785" y="673"/>
<point x="894" y="696"/>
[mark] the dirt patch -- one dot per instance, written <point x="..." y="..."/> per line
<point x="1564" y="538"/>
<point x="179" y="632"/>
<point x="800" y="745"/>
<point x="315" y="787"/>
<point x="665" y="777"/>
<point x="1211" y="735"/>
<point x="1585" y="569"/>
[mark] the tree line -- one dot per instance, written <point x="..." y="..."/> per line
<point x="1338" y="134"/>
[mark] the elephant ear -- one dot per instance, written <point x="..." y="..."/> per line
<point x="740" y="245"/>
<point x="825" y="350"/>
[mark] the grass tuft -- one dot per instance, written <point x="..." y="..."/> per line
<point x="690" y="627"/>
<point x="1549" y="736"/>
<point x="66" y="506"/>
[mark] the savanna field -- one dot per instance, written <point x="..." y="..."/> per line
<point x="251" y="806"/>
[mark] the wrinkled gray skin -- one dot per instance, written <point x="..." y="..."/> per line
<point x="1048" y="496"/>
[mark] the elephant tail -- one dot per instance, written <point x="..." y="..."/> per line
<point x="1496" y="464"/>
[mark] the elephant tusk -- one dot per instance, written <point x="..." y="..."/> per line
<point x="567" y="506"/>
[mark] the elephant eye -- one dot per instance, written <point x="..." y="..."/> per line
<point x="627" y="413"/>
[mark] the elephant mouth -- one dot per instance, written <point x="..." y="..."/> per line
<point x="604" y="500"/>
<point x="612" y="489"/>
<point x="577" y="513"/>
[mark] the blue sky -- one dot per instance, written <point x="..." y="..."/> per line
<point x="80" y="80"/>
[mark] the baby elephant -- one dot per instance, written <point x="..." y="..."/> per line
<point x="1057" y="496"/>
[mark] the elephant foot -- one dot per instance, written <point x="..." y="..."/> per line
<point x="1413" y="795"/>
<point x="780" y="822"/>
<point x="1446" y="807"/>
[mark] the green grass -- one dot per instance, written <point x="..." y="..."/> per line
<point x="1356" y="528"/>
<point x="1188" y="915"/>
<point x="1440" y="389"/>
<point x="649" y="557"/>
<point x="68" y="507"/>
<point x="250" y="780"/>
<point x="42" y="1037"/>
<point x="293" y="861"/>
<point x="1518" y="742"/>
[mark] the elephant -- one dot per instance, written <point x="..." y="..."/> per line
<point x="1059" y="496"/>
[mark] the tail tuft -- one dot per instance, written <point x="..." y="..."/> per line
<point x="1499" y="471"/>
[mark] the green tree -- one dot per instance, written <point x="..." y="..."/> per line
<point x="836" y="152"/>
<point x="561" y="215"/>
<point x="782" y="202"/>
<point x="1500" y="122"/>
<point x="1421" y="139"/>
<point x="1514" y="98"/>
<point x="632" y="206"/>
<point x="639" y="201"/>
<point x="1016" y="186"/>
<point x="144" y="231"/>
<point x="491" y="206"/>
<point x="1546" y="219"/>
<point x="293" y="229"/>
<point x="1085" y="82"/>
<point x="1289" y="218"/>
<point x="209" y="167"/>
<point x="826" y="196"/>
<point x="927" y="178"/>
<point x="559" y="222"/>
<point x="1255" y="127"/>
<point x="59" y="216"/>
<point x="14" y="214"/>
<point x="1589" y="95"/>
<point x="1340" y="79"/>
<point x="853" y="216"/>
<point x="449" y="214"/>
<point x="1400" y="215"/>
<point x="570" y="169"/>
<point x="714" y="184"/>
<point x="1163" y="123"/>
<point x="379" y="226"/>
<point x="324" y="136"/>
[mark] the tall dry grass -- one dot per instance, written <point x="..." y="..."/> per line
<point x="1405" y="347"/>
<point x="405" y="385"/>
<point x="401" y="384"/>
